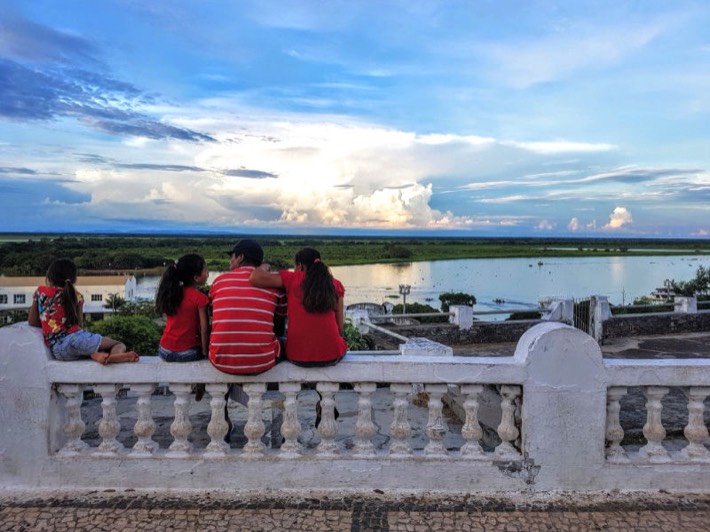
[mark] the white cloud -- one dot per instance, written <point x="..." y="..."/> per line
<point x="545" y="225"/>
<point x="562" y="146"/>
<point x="617" y="219"/>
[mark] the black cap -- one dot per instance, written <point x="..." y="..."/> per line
<point x="251" y="249"/>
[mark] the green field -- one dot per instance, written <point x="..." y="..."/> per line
<point x="30" y="254"/>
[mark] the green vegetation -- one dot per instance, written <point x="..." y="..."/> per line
<point x="355" y="340"/>
<point x="456" y="298"/>
<point x="699" y="285"/>
<point x="139" y="333"/>
<point x="420" y="308"/>
<point x="31" y="254"/>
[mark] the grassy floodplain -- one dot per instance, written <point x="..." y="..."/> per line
<point x="29" y="254"/>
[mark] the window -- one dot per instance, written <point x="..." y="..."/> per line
<point x="19" y="299"/>
<point x="97" y="297"/>
<point x="3" y="299"/>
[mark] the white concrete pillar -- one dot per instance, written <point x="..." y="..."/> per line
<point x="600" y="312"/>
<point x="462" y="316"/>
<point x="560" y="310"/>
<point x="686" y="305"/>
<point x="563" y="406"/>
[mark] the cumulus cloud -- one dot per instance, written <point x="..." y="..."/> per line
<point x="545" y="225"/>
<point x="617" y="219"/>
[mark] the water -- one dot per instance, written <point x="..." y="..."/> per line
<point x="519" y="283"/>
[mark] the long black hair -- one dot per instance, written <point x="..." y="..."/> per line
<point x="174" y="279"/>
<point x="62" y="274"/>
<point x="319" y="293"/>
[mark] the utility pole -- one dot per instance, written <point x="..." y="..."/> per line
<point x="404" y="290"/>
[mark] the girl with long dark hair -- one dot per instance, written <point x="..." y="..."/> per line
<point x="57" y="308"/>
<point x="186" y="334"/>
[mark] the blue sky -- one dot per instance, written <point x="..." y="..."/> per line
<point x="493" y="118"/>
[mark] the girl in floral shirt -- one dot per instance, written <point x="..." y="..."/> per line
<point x="57" y="308"/>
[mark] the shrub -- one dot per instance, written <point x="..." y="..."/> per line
<point x="456" y="298"/>
<point x="420" y="308"/>
<point x="139" y="333"/>
<point x="530" y="315"/>
<point x="355" y="340"/>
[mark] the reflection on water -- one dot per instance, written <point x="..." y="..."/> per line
<point x="517" y="282"/>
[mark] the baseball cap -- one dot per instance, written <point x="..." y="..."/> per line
<point x="249" y="248"/>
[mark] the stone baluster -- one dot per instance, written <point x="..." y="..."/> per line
<point x="291" y="427"/>
<point x="507" y="431"/>
<point x="254" y="428"/>
<point x="181" y="427"/>
<point x="400" y="429"/>
<point x="217" y="428"/>
<point x="471" y="430"/>
<point x="365" y="429"/>
<point x="109" y="427"/>
<point x="436" y="427"/>
<point x="145" y="425"/>
<point x="614" y="432"/>
<point x="696" y="431"/>
<point x="327" y="428"/>
<point x="653" y="429"/>
<point x="74" y="426"/>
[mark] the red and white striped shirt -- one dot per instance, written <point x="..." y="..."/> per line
<point x="242" y="339"/>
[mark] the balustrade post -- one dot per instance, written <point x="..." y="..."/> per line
<point x="218" y="427"/>
<point x="436" y="427"/>
<point x="614" y="432"/>
<point x="696" y="431"/>
<point x="181" y="427"/>
<point x="74" y="426"/>
<point x="653" y="429"/>
<point x="471" y="430"/>
<point x="109" y="427"/>
<point x="365" y="429"/>
<point x="145" y="425"/>
<point x="327" y="428"/>
<point x="291" y="427"/>
<point x="254" y="428"/>
<point x="507" y="431"/>
<point x="400" y="430"/>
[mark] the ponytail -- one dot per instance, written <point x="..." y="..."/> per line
<point x="62" y="273"/>
<point x="319" y="295"/>
<point x="175" y="278"/>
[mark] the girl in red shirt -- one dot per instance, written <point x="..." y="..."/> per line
<point x="314" y="302"/>
<point x="186" y="334"/>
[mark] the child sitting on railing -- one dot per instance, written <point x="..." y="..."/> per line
<point x="57" y="309"/>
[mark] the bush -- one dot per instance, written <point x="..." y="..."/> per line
<point x="355" y="340"/>
<point x="419" y="308"/>
<point x="139" y="333"/>
<point x="456" y="298"/>
<point x="530" y="315"/>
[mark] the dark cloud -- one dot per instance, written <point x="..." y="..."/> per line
<point x="161" y="167"/>
<point x="46" y="74"/>
<point x="251" y="174"/>
<point x="16" y="171"/>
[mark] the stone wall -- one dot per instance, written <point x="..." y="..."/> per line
<point x="653" y="324"/>
<point x="482" y="332"/>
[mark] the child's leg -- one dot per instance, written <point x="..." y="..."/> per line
<point x="116" y="352"/>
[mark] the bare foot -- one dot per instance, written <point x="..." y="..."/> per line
<point x="117" y="358"/>
<point x="100" y="357"/>
<point x="114" y="358"/>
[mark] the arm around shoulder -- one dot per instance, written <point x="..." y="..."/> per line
<point x="33" y="316"/>
<point x="264" y="279"/>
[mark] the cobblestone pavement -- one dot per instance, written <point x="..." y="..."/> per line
<point x="134" y="511"/>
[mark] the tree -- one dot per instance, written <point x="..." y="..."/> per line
<point x="696" y="286"/>
<point x="456" y="298"/>
<point x="114" y="301"/>
<point x="139" y="333"/>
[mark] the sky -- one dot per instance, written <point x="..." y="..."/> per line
<point x="478" y="117"/>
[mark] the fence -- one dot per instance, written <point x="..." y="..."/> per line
<point x="557" y="425"/>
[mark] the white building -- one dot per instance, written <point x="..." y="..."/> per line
<point x="16" y="292"/>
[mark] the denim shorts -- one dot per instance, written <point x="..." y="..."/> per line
<point x="78" y="345"/>
<point x="189" y="355"/>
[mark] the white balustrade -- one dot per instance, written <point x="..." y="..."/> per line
<point x="181" y="426"/>
<point x="109" y="426"/>
<point x="540" y="387"/>
<point x="74" y="426"/>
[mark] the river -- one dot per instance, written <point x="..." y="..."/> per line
<point x="517" y="282"/>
